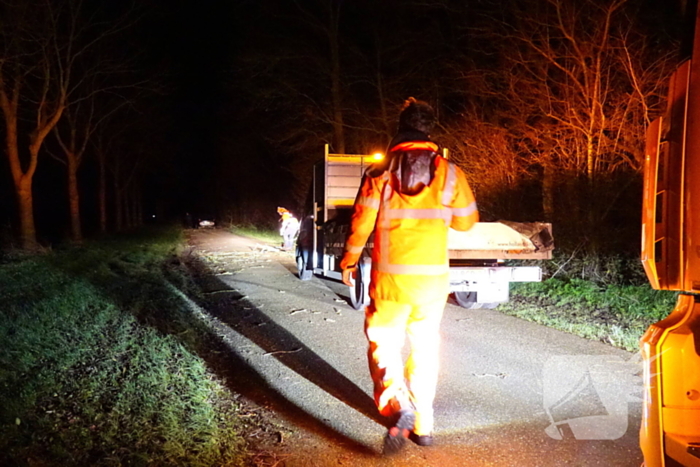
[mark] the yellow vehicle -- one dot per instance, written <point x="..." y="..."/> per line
<point x="670" y="431"/>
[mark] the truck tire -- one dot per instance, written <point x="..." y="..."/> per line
<point x="359" y="294"/>
<point x="303" y="270"/>
<point x="468" y="300"/>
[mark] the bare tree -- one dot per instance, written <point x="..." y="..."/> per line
<point x="95" y="97"/>
<point x="45" y="61"/>
<point x="573" y="87"/>
<point x="104" y="144"/>
<point x="34" y="83"/>
<point x="73" y="133"/>
<point x="593" y="76"/>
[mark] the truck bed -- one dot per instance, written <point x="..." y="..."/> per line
<point x="484" y="241"/>
<point x="502" y="240"/>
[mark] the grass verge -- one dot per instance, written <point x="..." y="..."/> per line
<point x="617" y="314"/>
<point x="100" y="364"/>
<point x="265" y="234"/>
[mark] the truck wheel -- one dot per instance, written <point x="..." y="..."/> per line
<point x="468" y="300"/>
<point x="303" y="270"/>
<point x="359" y="294"/>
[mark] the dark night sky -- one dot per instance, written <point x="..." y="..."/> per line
<point x="202" y="44"/>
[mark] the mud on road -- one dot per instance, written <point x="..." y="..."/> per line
<point x="297" y="357"/>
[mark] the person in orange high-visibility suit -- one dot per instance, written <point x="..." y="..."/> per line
<point x="409" y="201"/>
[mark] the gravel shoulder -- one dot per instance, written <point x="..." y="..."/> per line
<point x="300" y="354"/>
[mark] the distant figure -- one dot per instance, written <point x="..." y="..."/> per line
<point x="188" y="220"/>
<point x="289" y="228"/>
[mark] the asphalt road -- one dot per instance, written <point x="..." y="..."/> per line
<point x="511" y="393"/>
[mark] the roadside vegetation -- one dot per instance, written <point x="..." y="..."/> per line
<point x="606" y="299"/>
<point x="100" y="363"/>
<point x="266" y="234"/>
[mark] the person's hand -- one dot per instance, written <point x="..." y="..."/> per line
<point x="349" y="275"/>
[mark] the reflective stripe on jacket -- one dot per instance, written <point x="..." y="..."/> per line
<point x="410" y="262"/>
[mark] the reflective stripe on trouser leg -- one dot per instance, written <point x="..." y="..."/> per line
<point x="385" y="327"/>
<point x="423" y="327"/>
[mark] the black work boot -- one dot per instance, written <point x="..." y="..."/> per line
<point x="395" y="438"/>
<point x="421" y="440"/>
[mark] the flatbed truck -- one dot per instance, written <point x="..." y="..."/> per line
<point x="479" y="275"/>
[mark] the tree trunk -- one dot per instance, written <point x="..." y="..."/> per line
<point x="134" y="209"/>
<point x="25" y="201"/>
<point x="128" y="220"/>
<point x="74" y="199"/>
<point x="548" y="184"/>
<point x="102" y="194"/>
<point x="118" y="213"/>
<point x="336" y="91"/>
<point x="382" y="108"/>
<point x="22" y="180"/>
<point x="139" y="208"/>
<point x="380" y="91"/>
<point x="590" y="159"/>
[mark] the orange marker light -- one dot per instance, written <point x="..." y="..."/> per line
<point x="378" y="156"/>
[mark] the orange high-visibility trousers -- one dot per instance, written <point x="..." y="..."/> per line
<point x="397" y="386"/>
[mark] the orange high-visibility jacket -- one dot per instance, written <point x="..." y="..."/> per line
<point x="410" y="262"/>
